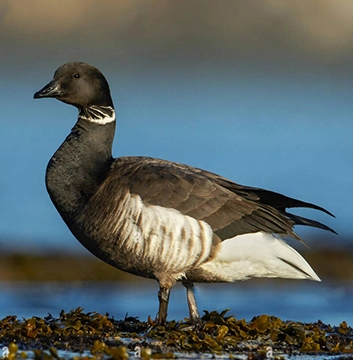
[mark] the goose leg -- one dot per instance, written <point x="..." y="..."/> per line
<point x="163" y="296"/>
<point x="193" y="311"/>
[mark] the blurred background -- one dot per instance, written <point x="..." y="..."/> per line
<point x="257" y="91"/>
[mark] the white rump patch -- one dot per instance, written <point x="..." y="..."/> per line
<point x="98" y="114"/>
<point x="258" y="255"/>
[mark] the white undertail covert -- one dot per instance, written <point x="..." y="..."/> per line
<point x="259" y="255"/>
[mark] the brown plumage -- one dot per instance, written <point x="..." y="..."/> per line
<point x="159" y="219"/>
<point x="230" y="209"/>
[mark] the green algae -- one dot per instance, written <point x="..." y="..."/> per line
<point x="92" y="336"/>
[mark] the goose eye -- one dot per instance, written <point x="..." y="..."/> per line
<point x="76" y="76"/>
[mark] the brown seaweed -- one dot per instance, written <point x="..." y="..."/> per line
<point x="91" y="336"/>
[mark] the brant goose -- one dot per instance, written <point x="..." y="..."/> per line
<point x="159" y="219"/>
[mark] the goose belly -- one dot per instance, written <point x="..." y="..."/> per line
<point x="147" y="239"/>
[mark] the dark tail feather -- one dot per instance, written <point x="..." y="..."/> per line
<point x="276" y="200"/>
<point x="299" y="220"/>
<point x="281" y="202"/>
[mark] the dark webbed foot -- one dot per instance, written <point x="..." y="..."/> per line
<point x="198" y="324"/>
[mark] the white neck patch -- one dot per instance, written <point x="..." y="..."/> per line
<point x="98" y="114"/>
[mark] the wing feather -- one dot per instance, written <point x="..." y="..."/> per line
<point x="229" y="208"/>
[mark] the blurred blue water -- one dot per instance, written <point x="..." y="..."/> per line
<point x="290" y="134"/>
<point x="293" y="300"/>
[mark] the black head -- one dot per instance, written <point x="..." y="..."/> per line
<point x="78" y="84"/>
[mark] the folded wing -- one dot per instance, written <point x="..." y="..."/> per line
<point x="230" y="209"/>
